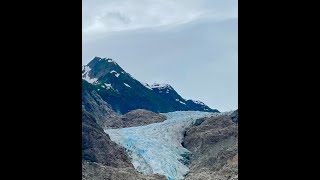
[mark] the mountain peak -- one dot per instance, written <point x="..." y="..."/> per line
<point x="99" y="67"/>
<point x="98" y="59"/>
<point x="109" y="60"/>
<point x="124" y="93"/>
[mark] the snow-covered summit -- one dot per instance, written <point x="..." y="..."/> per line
<point x="108" y="59"/>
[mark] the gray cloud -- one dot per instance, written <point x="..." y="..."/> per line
<point x="104" y="16"/>
<point x="117" y="16"/>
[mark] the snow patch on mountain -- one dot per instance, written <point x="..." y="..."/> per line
<point x="178" y="100"/>
<point x="198" y="102"/>
<point x="85" y="75"/>
<point x="127" y="85"/>
<point x="116" y="73"/>
<point x="160" y="86"/>
<point x="109" y="60"/>
<point x="108" y="86"/>
<point x="157" y="86"/>
<point x="182" y="102"/>
<point x="146" y="85"/>
<point x="156" y="148"/>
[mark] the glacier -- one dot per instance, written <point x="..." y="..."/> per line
<point x="156" y="148"/>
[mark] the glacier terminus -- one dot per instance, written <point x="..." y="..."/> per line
<point x="156" y="148"/>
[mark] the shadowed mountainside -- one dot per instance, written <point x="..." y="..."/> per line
<point x="124" y="93"/>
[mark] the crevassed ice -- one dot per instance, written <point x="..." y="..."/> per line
<point x="156" y="148"/>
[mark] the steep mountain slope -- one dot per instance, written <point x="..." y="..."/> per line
<point x="172" y="97"/>
<point x="214" y="146"/>
<point x="96" y="106"/>
<point x="97" y="146"/>
<point x="107" y="118"/>
<point x="125" y="93"/>
<point x="103" y="159"/>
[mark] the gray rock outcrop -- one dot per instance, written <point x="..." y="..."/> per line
<point x="214" y="147"/>
<point x="138" y="117"/>
<point x="98" y="147"/>
<point x="96" y="106"/>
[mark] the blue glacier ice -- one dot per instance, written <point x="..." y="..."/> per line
<point x="156" y="148"/>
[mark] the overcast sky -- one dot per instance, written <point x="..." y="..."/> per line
<point x="190" y="44"/>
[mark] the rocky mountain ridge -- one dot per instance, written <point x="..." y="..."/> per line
<point x="124" y="93"/>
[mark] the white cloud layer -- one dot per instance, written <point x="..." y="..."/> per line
<point x="106" y="16"/>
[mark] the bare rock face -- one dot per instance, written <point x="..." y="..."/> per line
<point x="214" y="146"/>
<point x="96" y="106"/>
<point x="138" y="117"/>
<point x="141" y="117"/>
<point x="96" y="171"/>
<point x="98" y="147"/>
<point x="234" y="116"/>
